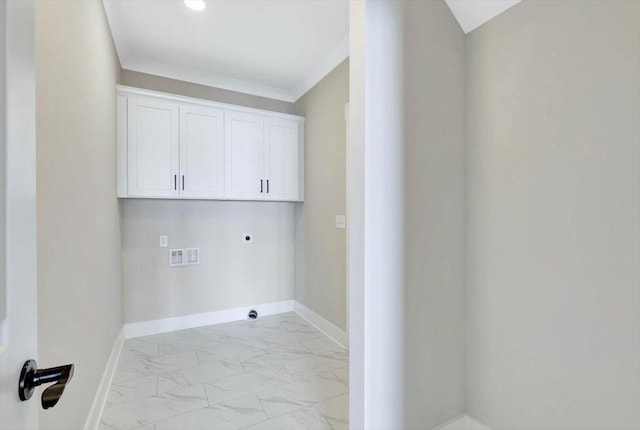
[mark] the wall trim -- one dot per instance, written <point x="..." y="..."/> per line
<point x="330" y="61"/>
<point x="126" y="90"/>
<point x="328" y="328"/>
<point x="462" y="422"/>
<point x="165" y="325"/>
<point x="471" y="15"/>
<point x="100" y="399"/>
<point x="207" y="78"/>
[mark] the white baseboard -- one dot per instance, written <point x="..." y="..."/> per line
<point x="337" y="334"/>
<point x="95" y="413"/>
<point x="165" y="325"/>
<point x="463" y="422"/>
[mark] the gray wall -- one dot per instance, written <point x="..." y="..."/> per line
<point x="434" y="214"/>
<point x="231" y="274"/>
<point x="167" y="85"/>
<point x="79" y="273"/>
<point x="320" y="247"/>
<point x="553" y="136"/>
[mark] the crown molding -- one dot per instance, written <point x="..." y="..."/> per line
<point x="206" y="78"/>
<point x="471" y="14"/>
<point x="330" y="61"/>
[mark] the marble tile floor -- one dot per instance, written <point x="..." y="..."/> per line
<point x="274" y="373"/>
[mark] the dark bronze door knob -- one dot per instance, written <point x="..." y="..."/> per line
<point x="32" y="377"/>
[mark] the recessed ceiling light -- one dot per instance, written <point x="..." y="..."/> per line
<point x="195" y="4"/>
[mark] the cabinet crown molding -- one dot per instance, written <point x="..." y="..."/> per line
<point x="133" y="91"/>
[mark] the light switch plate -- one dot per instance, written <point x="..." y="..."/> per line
<point x="164" y="241"/>
<point x="341" y="221"/>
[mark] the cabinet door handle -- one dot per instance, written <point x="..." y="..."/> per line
<point x="267" y="186"/>
<point x="175" y="182"/>
<point x="182" y="182"/>
<point x="261" y="186"/>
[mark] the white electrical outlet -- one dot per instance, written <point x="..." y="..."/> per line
<point x="176" y="257"/>
<point x="247" y="238"/>
<point x="341" y="221"/>
<point x="164" y="241"/>
<point x="193" y="255"/>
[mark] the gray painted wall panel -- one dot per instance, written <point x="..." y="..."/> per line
<point x="79" y="254"/>
<point x="434" y="214"/>
<point x="321" y="249"/>
<point x="553" y="176"/>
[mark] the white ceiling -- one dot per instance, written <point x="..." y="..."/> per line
<point x="276" y="48"/>
<point x="271" y="48"/>
<point x="473" y="13"/>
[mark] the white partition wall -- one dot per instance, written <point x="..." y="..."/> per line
<point x="18" y="291"/>
<point x="376" y="241"/>
<point x="493" y="200"/>
<point x="355" y="209"/>
<point x="384" y="216"/>
<point x="406" y="206"/>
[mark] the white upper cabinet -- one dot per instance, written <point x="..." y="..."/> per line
<point x="244" y="145"/>
<point x="201" y="153"/>
<point x="184" y="148"/>
<point x="152" y="148"/>
<point x="263" y="158"/>
<point x="281" y="159"/>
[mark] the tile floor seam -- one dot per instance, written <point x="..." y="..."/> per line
<point x="155" y="421"/>
<point x="273" y="417"/>
<point x="282" y="415"/>
<point x="210" y="381"/>
<point x="326" y="418"/>
<point x="206" y="393"/>
<point x="155" y="395"/>
<point x="184" y="413"/>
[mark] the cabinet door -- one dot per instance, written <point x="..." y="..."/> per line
<point x="282" y="159"/>
<point x="201" y="152"/>
<point x="152" y="139"/>
<point x="244" y="152"/>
